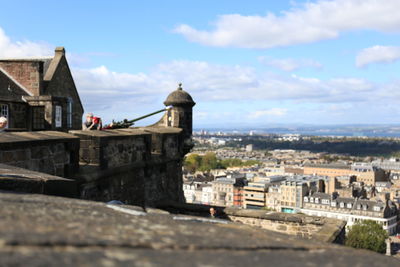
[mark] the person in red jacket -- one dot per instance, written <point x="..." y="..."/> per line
<point x="92" y="123"/>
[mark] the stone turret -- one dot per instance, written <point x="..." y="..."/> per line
<point x="180" y="114"/>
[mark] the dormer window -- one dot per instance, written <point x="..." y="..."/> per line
<point x="349" y="205"/>
<point x="325" y="201"/>
<point x="342" y="204"/>
<point x="365" y="207"/>
<point x="333" y="203"/>
<point x="316" y="200"/>
<point x="377" y="208"/>
<point x="305" y="199"/>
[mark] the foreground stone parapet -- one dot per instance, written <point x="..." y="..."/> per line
<point x="41" y="230"/>
<point x="23" y="180"/>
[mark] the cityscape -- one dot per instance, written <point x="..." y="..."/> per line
<point x="200" y="133"/>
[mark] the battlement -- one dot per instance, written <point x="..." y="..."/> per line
<point x="136" y="165"/>
<point x="50" y="152"/>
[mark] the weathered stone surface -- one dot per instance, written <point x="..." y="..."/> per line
<point x="23" y="180"/>
<point x="45" y="231"/>
<point x="54" y="153"/>
<point x="137" y="165"/>
<point x="311" y="227"/>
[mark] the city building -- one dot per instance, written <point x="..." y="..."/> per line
<point x="238" y="196"/>
<point x="369" y="174"/>
<point x="254" y="195"/>
<point x="352" y="210"/>
<point x="193" y="191"/>
<point x="39" y="94"/>
<point x="295" y="188"/>
<point x="272" y="197"/>
<point x="207" y="195"/>
<point x="249" y="148"/>
<point x="330" y="170"/>
<point x="223" y="190"/>
<point x="363" y="172"/>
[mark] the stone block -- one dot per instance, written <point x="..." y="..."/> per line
<point x="7" y="157"/>
<point x="282" y="228"/>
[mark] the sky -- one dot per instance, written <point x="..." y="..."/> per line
<point x="245" y="63"/>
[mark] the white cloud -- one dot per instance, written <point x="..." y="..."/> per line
<point x="9" y="49"/>
<point x="377" y="54"/>
<point x="268" y="112"/>
<point x="210" y="82"/>
<point x="219" y="90"/>
<point x="290" y="64"/>
<point x="304" y="23"/>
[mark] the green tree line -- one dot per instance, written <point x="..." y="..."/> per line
<point x="196" y="162"/>
<point x="350" y="146"/>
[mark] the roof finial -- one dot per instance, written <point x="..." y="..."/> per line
<point x="180" y="86"/>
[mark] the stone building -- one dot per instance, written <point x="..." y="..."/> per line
<point x="224" y="190"/>
<point x="39" y="94"/>
<point x="363" y="172"/>
<point x="295" y="188"/>
<point x="352" y="209"/>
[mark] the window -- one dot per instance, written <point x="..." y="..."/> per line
<point x="4" y="112"/>
<point x="38" y="118"/>
<point x="69" y="112"/>
<point x="58" y="117"/>
<point x="325" y="201"/>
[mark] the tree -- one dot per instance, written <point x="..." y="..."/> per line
<point x="368" y="235"/>
<point x="192" y="162"/>
<point x="209" y="162"/>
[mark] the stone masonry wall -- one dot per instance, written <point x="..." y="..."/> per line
<point x="137" y="166"/>
<point x="62" y="85"/>
<point x="53" y="153"/>
<point x="141" y="166"/>
<point x="300" y="225"/>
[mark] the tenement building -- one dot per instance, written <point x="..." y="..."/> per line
<point x="224" y="190"/>
<point x="295" y="188"/>
<point x="352" y="209"/>
<point x="39" y="94"/>
<point x="363" y="172"/>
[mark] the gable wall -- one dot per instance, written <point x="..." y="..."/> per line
<point x="27" y="73"/>
<point x="62" y="85"/>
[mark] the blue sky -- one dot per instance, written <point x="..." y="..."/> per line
<point x="253" y="63"/>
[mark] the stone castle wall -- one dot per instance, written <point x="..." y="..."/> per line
<point x="138" y="166"/>
<point x="53" y="153"/>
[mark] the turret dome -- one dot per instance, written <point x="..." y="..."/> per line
<point x="179" y="97"/>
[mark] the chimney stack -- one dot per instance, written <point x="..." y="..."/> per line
<point x="60" y="50"/>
